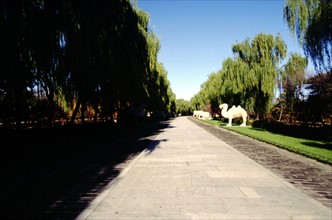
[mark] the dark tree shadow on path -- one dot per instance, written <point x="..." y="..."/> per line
<point x="63" y="187"/>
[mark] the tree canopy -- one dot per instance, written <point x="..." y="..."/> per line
<point x="250" y="78"/>
<point x="318" y="107"/>
<point x="311" y="21"/>
<point x="293" y="78"/>
<point x="70" y="58"/>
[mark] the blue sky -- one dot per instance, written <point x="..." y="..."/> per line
<point x="197" y="35"/>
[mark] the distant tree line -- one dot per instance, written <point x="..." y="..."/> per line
<point x="76" y="58"/>
<point x="254" y="78"/>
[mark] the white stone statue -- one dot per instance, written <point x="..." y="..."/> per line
<point x="234" y="112"/>
<point x="197" y="113"/>
<point x="202" y="115"/>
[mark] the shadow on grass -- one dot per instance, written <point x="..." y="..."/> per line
<point x="327" y="146"/>
<point x="42" y="179"/>
<point x="298" y="131"/>
<point x="258" y="129"/>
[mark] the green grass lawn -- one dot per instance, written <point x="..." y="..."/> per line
<point x="319" y="150"/>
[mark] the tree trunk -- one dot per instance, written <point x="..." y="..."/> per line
<point x="18" y="105"/>
<point x="77" y="107"/>
<point x="83" y="107"/>
<point x="48" y="88"/>
<point x="282" y="108"/>
<point x="257" y="116"/>
<point x="52" y="108"/>
<point x="95" y="117"/>
<point x="51" y="112"/>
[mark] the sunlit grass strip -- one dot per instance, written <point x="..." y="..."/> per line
<point x="298" y="145"/>
<point x="301" y="146"/>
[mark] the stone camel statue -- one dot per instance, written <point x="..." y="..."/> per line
<point x="234" y="112"/>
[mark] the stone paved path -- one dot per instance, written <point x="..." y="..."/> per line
<point x="187" y="173"/>
<point x="312" y="177"/>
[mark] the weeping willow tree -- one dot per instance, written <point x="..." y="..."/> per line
<point x="293" y="79"/>
<point x="311" y="21"/>
<point x="74" y="55"/>
<point x="234" y="75"/>
<point x="159" y="94"/>
<point x="213" y="96"/>
<point x="258" y="61"/>
<point x="249" y="79"/>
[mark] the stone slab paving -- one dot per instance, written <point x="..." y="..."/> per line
<point x="312" y="177"/>
<point x="191" y="174"/>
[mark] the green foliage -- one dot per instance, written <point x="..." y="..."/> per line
<point x="311" y="21"/>
<point x="293" y="79"/>
<point x="318" y="106"/>
<point x="183" y="107"/>
<point x="78" y="55"/>
<point x="261" y="56"/>
<point x="249" y="79"/>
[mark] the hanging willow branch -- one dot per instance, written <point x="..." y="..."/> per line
<point x="311" y="21"/>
